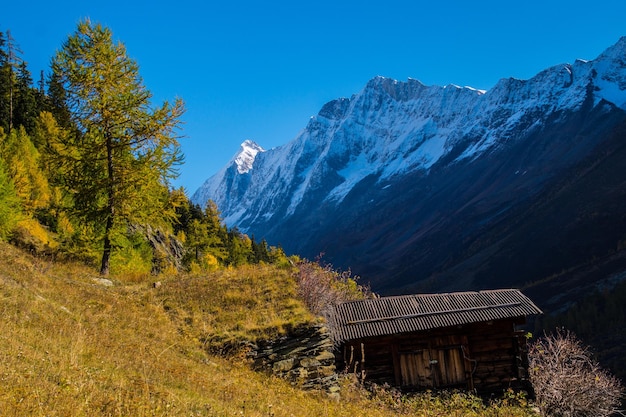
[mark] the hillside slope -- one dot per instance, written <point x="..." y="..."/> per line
<point x="72" y="345"/>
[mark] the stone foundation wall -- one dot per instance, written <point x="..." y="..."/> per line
<point x="305" y="357"/>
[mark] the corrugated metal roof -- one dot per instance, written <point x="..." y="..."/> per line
<point x="410" y="313"/>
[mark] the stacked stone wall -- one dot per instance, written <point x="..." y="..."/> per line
<point x="304" y="357"/>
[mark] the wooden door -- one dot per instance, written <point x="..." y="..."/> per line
<point x="415" y="369"/>
<point x="448" y="367"/>
<point x="433" y="368"/>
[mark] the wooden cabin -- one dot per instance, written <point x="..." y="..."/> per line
<point x="464" y="340"/>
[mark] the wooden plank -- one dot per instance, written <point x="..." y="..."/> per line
<point x="415" y="369"/>
<point x="452" y="371"/>
<point x="459" y="366"/>
<point x="467" y="354"/>
<point x="397" y="370"/>
<point x="406" y="364"/>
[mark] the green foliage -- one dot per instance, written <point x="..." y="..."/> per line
<point x="10" y="208"/>
<point x="30" y="234"/>
<point x="440" y="403"/>
<point x="133" y="257"/>
<point x="5" y="84"/>
<point x="260" y="251"/>
<point x="90" y="160"/>
<point x="239" y="248"/>
<point x="56" y="102"/>
<point x="279" y="258"/>
<point x="205" y="236"/>
<point x="20" y="103"/>
<point x="26" y="108"/>
<point x="118" y="163"/>
<point x="22" y="159"/>
<point x="210" y="245"/>
<point x="78" y="241"/>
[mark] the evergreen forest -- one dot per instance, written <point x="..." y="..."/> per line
<point x="87" y="161"/>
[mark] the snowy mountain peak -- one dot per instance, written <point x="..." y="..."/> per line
<point x="609" y="71"/>
<point x="244" y="159"/>
<point x="392" y="128"/>
<point x="335" y="109"/>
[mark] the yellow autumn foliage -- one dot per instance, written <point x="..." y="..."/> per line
<point x="31" y="234"/>
<point x="22" y="161"/>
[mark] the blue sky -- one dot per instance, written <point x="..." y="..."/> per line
<point x="259" y="69"/>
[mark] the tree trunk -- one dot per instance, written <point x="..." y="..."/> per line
<point x="106" y="252"/>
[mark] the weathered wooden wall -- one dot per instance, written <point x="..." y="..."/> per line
<point x="487" y="357"/>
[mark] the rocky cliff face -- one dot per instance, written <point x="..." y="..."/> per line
<point x="426" y="187"/>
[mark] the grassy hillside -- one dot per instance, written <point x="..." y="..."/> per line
<point x="71" y="346"/>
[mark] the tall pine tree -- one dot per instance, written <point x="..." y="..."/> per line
<point x="5" y="84"/>
<point x="13" y="60"/>
<point x="25" y="107"/>
<point x="119" y="162"/>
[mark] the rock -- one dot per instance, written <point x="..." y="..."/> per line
<point x="326" y="370"/>
<point x="325" y="356"/>
<point x="309" y="362"/>
<point x="283" y="366"/>
<point x="103" y="281"/>
<point x="167" y="250"/>
<point x="301" y="373"/>
<point x="304" y="357"/>
<point x="294" y="351"/>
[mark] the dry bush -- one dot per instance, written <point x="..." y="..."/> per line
<point x="568" y="382"/>
<point x="322" y="287"/>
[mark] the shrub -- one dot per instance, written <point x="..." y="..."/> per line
<point x="568" y="382"/>
<point x="322" y="287"/>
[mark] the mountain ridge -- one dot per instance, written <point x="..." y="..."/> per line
<point x="394" y="149"/>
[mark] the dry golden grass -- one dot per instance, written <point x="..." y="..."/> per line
<point x="72" y="347"/>
<point x="231" y="306"/>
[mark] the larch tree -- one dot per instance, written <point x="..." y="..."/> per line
<point x="124" y="152"/>
<point x="10" y="209"/>
<point x="22" y="161"/>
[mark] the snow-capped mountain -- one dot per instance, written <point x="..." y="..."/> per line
<point x="402" y="180"/>
<point x="244" y="159"/>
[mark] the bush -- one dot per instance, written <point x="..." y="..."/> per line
<point x="322" y="287"/>
<point x="568" y="382"/>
